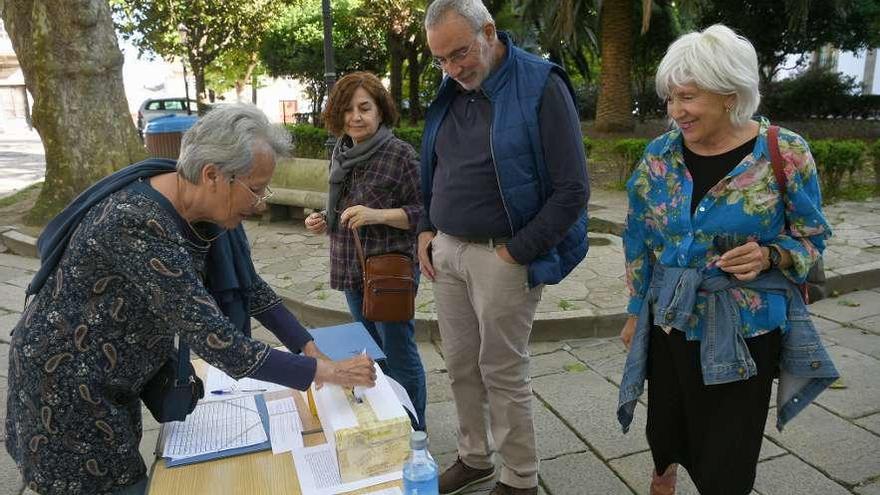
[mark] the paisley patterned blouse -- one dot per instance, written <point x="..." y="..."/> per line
<point x="745" y="205"/>
<point x="97" y="330"/>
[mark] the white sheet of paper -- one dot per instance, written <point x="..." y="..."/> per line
<point x="402" y="395"/>
<point x="215" y="426"/>
<point x="388" y="491"/>
<point x="383" y="399"/>
<point x="333" y="409"/>
<point x="218" y="380"/>
<point x="318" y="471"/>
<point x="285" y="428"/>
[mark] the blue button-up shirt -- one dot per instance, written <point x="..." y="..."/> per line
<point x="745" y="205"/>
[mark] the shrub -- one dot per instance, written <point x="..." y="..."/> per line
<point x="412" y="135"/>
<point x="817" y="94"/>
<point x="626" y="154"/>
<point x="836" y="159"/>
<point x="308" y="141"/>
<point x="874" y="155"/>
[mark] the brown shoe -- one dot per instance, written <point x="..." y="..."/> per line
<point x="502" y="489"/>
<point x="460" y="476"/>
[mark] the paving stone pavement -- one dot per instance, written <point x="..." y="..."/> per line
<point x="590" y="302"/>
<point x="833" y="447"/>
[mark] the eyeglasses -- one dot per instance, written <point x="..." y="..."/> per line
<point x="258" y="199"/>
<point x="456" y="57"/>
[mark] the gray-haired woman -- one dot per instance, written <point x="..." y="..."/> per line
<point x="142" y="256"/>
<point x="715" y="246"/>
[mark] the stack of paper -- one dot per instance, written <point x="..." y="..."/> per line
<point x="215" y="427"/>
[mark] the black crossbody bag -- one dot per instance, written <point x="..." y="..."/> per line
<point x="175" y="389"/>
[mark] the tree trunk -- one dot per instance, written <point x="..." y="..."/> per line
<point x="201" y="94"/>
<point x="396" y="54"/>
<point x="614" y="108"/>
<point x="73" y="68"/>
<point x="241" y="83"/>
<point x="415" y="75"/>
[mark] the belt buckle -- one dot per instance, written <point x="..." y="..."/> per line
<point x="491" y="243"/>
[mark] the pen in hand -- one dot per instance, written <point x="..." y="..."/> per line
<point x="242" y="391"/>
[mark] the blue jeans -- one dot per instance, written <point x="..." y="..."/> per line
<point x="398" y="341"/>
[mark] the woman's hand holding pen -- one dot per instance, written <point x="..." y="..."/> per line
<point x="356" y="371"/>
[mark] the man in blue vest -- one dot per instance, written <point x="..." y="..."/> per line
<point x="504" y="180"/>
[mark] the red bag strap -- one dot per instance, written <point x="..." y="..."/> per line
<point x="776" y="157"/>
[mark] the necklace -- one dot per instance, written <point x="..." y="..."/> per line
<point x="190" y="225"/>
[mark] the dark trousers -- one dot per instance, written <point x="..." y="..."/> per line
<point x="715" y="431"/>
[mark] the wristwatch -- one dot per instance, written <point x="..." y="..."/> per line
<point x="775" y="256"/>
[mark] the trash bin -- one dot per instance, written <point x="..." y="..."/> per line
<point x="163" y="134"/>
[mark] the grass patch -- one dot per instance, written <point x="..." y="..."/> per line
<point x="574" y="367"/>
<point x="20" y="195"/>
<point x="848" y="303"/>
<point x="322" y="296"/>
<point x="565" y="305"/>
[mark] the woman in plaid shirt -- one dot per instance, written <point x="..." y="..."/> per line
<point x="374" y="187"/>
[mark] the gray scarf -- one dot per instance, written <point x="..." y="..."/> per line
<point x="344" y="159"/>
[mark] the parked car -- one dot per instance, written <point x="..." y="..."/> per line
<point x="157" y="107"/>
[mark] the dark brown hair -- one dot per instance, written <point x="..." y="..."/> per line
<point x="343" y="91"/>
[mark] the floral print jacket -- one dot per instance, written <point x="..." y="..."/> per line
<point x="745" y="205"/>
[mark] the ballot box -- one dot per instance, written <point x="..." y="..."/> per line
<point x="370" y="428"/>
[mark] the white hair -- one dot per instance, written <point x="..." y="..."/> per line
<point x="716" y="59"/>
<point x="228" y="136"/>
<point x="473" y="11"/>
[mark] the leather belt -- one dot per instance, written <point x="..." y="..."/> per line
<point x="491" y="242"/>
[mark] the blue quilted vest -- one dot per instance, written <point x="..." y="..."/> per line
<point x="515" y="90"/>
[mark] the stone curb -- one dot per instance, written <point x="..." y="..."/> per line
<point x="18" y="243"/>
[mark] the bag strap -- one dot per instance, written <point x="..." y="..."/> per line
<point x="776" y="157"/>
<point x="183" y="377"/>
<point x="360" y="249"/>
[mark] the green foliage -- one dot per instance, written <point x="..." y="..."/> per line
<point x="837" y="160"/>
<point x="778" y="29"/>
<point x="308" y="141"/>
<point x="214" y="28"/>
<point x="588" y="145"/>
<point x="817" y="93"/>
<point x="626" y="154"/>
<point x="294" y="45"/>
<point x="412" y="135"/>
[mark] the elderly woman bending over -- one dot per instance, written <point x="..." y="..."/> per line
<point x="139" y="258"/>
<point x="715" y="248"/>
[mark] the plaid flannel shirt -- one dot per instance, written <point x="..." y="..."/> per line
<point x="389" y="179"/>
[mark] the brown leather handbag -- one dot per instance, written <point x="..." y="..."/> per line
<point x="389" y="287"/>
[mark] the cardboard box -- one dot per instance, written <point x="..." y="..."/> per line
<point x="372" y="436"/>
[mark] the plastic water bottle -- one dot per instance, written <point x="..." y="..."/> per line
<point x="420" y="471"/>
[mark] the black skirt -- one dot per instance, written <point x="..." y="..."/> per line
<point x="715" y="431"/>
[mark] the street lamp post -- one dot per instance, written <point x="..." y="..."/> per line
<point x="183" y="32"/>
<point x="329" y="63"/>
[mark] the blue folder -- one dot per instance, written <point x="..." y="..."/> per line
<point x="264" y="416"/>
<point x="346" y="341"/>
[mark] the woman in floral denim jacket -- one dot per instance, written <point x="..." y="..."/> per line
<point x="704" y="196"/>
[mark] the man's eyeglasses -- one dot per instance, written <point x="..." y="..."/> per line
<point x="258" y="199"/>
<point x="455" y="58"/>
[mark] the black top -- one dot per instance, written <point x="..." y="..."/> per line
<point x="465" y="191"/>
<point x="706" y="171"/>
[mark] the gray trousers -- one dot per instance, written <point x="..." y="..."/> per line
<point x="485" y="312"/>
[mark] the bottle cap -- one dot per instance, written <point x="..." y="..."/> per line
<point x="418" y="440"/>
